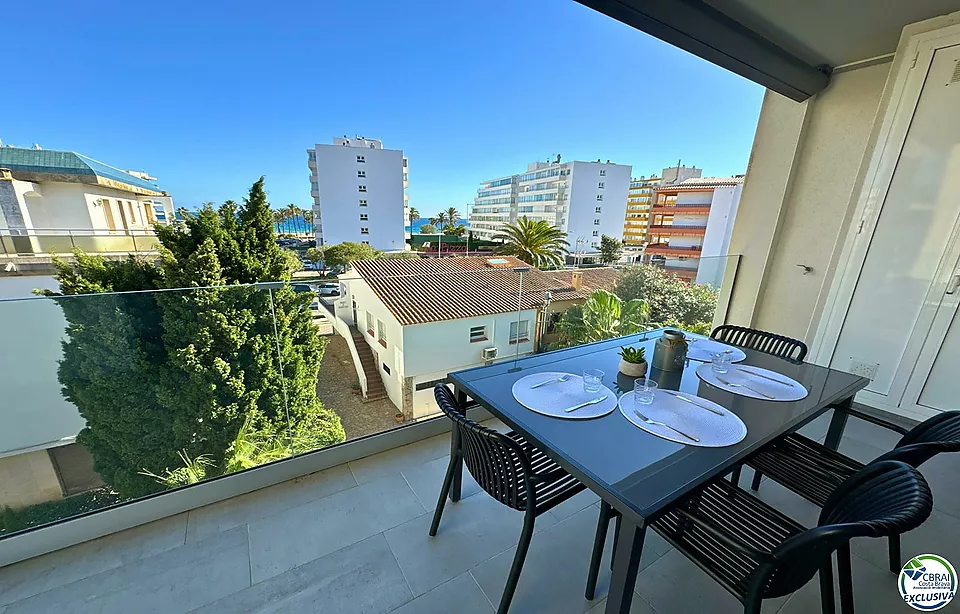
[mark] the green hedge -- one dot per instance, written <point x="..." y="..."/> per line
<point x="41" y="513"/>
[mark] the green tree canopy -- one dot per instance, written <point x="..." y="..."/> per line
<point x="602" y="316"/>
<point x="537" y="243"/>
<point x="673" y="302"/>
<point x="315" y="254"/>
<point x="414" y="215"/>
<point x="456" y="231"/>
<point x="343" y="254"/>
<point x="428" y="229"/>
<point x="610" y="249"/>
<point x="164" y="376"/>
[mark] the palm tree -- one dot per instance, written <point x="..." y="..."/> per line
<point x="278" y="217"/>
<point x="293" y="212"/>
<point x="441" y="219"/>
<point x="603" y="315"/>
<point x="452" y="215"/>
<point x="308" y="219"/>
<point x="538" y="243"/>
<point x="414" y="215"/>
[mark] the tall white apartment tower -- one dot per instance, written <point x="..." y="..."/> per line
<point x="585" y="200"/>
<point x="359" y="193"/>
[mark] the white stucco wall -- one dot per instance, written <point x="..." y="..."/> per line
<point x="33" y="405"/>
<point x="432" y="350"/>
<point x="798" y="199"/>
<point x="337" y="168"/>
<point x="583" y="189"/>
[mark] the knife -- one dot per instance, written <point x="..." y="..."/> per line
<point x="582" y="405"/>
<point x="772" y="379"/>
<point x="692" y="402"/>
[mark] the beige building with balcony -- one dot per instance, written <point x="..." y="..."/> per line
<point x="53" y="201"/>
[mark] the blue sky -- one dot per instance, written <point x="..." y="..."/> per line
<point x="207" y="96"/>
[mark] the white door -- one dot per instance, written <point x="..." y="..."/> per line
<point x="935" y="383"/>
<point x="900" y="313"/>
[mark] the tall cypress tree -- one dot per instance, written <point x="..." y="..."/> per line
<point x="157" y="373"/>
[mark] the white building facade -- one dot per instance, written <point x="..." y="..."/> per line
<point x="424" y="318"/>
<point x="359" y="193"/>
<point x="48" y="190"/>
<point x="585" y="200"/>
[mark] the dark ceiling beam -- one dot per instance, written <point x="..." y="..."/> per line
<point x="706" y="32"/>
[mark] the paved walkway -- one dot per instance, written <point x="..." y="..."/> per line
<point x="334" y="387"/>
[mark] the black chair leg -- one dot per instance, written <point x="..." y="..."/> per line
<point x="826" y="587"/>
<point x="735" y="476"/>
<point x="896" y="562"/>
<point x="518" y="559"/>
<point x="598" y="542"/>
<point x="444" y="490"/>
<point x="755" y="485"/>
<point x="845" y="577"/>
<point x="616" y="540"/>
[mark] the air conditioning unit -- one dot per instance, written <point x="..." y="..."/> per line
<point x="489" y="353"/>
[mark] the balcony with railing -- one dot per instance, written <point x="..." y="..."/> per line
<point x="681" y="209"/>
<point x="289" y="511"/>
<point x="665" y="249"/>
<point x="678" y="230"/>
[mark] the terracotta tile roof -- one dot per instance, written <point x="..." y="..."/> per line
<point x="601" y="278"/>
<point x="433" y="290"/>
<point x="702" y="183"/>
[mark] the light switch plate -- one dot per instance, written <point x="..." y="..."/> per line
<point x="865" y="369"/>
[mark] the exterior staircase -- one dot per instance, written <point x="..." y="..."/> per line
<point x="371" y="370"/>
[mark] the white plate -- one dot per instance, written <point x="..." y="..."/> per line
<point x="784" y="389"/>
<point x="704" y="349"/>
<point x="712" y="430"/>
<point x="554" y="398"/>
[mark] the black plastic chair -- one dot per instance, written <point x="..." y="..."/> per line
<point x="762" y="341"/>
<point x="757" y="553"/>
<point x="511" y="470"/>
<point x="814" y="471"/>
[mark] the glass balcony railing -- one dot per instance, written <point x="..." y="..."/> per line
<point x="57" y="241"/>
<point x="123" y="396"/>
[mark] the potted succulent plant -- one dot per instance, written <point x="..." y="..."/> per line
<point x="633" y="361"/>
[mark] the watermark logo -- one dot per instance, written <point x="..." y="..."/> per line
<point x="927" y="582"/>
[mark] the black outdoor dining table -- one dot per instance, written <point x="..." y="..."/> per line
<point x="638" y="473"/>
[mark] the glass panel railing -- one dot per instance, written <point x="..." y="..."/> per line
<point x="121" y="395"/>
<point x="62" y="242"/>
<point x="116" y="396"/>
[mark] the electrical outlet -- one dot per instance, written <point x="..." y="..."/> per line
<point x="865" y="369"/>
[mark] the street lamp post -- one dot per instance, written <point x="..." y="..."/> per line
<point x="521" y="270"/>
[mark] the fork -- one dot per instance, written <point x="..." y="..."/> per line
<point x="735" y="385"/>
<point x="665" y="425"/>
<point x="562" y="378"/>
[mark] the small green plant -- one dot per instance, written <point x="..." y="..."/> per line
<point x="633" y="355"/>
<point x="193" y="470"/>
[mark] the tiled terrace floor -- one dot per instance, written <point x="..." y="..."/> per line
<point x="353" y="539"/>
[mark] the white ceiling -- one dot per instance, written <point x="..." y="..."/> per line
<point x="833" y="32"/>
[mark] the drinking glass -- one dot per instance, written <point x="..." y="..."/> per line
<point x="592" y="380"/>
<point x="721" y="362"/>
<point x="644" y="390"/>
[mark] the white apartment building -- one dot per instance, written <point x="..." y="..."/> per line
<point x="584" y="199"/>
<point x="44" y="192"/>
<point x="691" y="224"/>
<point x="359" y="193"/>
